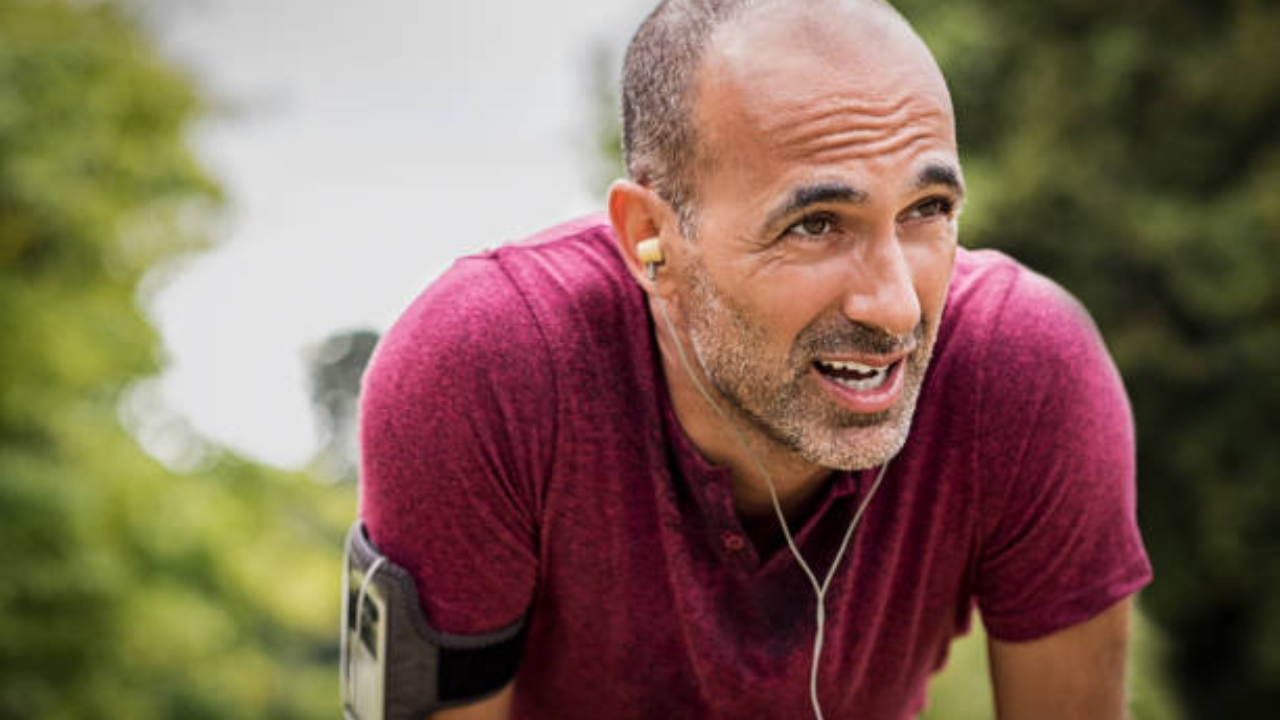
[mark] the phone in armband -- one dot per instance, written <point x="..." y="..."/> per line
<point x="393" y="664"/>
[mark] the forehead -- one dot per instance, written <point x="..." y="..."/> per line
<point x="819" y="84"/>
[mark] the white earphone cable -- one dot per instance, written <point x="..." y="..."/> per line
<point x="819" y="589"/>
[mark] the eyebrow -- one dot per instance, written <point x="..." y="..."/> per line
<point x="932" y="175"/>
<point x="940" y="174"/>
<point x="816" y="194"/>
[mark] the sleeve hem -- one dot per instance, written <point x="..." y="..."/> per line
<point x="1071" y="611"/>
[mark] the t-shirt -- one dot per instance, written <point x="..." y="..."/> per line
<point x="522" y="460"/>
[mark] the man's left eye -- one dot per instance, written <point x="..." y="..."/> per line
<point x="813" y="226"/>
<point x="933" y="207"/>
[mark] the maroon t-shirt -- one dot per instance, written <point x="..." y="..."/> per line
<point x="521" y="455"/>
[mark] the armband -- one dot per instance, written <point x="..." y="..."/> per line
<point x="394" y="665"/>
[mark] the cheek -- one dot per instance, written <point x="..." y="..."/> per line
<point x="790" y="299"/>
<point x="775" y="301"/>
<point x="931" y="265"/>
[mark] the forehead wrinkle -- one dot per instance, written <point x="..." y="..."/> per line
<point x="859" y="142"/>
<point x="817" y="114"/>
<point x="852" y="147"/>
<point x="854" y="121"/>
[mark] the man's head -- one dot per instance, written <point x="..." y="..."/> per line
<point x="798" y="161"/>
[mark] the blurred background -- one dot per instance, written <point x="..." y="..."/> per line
<point x="210" y="209"/>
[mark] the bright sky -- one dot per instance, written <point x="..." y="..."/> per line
<point x="373" y="143"/>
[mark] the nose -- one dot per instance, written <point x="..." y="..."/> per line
<point x="881" y="292"/>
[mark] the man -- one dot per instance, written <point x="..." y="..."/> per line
<point x="581" y="447"/>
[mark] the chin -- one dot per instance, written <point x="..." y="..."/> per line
<point x="857" y="442"/>
<point x="861" y="447"/>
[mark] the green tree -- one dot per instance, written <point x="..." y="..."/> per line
<point x="1129" y="150"/>
<point x="128" y="590"/>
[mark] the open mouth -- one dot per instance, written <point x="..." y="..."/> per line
<point x="856" y="376"/>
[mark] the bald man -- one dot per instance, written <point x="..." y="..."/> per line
<point x="757" y="443"/>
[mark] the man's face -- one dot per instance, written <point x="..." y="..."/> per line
<point x="825" y="230"/>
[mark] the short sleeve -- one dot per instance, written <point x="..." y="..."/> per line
<point x="1060" y="541"/>
<point x="456" y="418"/>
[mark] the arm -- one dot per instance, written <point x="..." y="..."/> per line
<point x="497" y="707"/>
<point x="1074" y="674"/>
<point x="454" y="437"/>
<point x="1062" y="553"/>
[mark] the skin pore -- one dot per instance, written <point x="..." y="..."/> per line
<point x="823" y="230"/>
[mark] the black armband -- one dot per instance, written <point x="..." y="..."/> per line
<point x="394" y="665"/>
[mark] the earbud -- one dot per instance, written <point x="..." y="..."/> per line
<point x="650" y="254"/>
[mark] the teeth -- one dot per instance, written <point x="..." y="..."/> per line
<point x="856" y="376"/>
<point x="855" y="367"/>
<point x="872" y="383"/>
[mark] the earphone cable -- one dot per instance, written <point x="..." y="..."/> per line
<point x="819" y="589"/>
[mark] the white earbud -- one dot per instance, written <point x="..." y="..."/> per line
<point x="650" y="254"/>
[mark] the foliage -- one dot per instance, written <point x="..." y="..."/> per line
<point x="1129" y="150"/>
<point x="128" y="590"/>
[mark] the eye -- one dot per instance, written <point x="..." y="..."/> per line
<point x="930" y="208"/>
<point x="813" y="226"/>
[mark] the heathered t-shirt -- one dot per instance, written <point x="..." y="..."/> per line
<point x="521" y="459"/>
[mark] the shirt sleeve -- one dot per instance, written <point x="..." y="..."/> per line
<point x="456" y="419"/>
<point x="1060" y="535"/>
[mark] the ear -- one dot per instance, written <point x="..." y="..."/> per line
<point x="638" y="214"/>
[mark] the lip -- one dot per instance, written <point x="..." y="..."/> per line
<point x="877" y="361"/>
<point x="867" y="401"/>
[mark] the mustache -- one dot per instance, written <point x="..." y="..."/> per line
<point x="842" y="336"/>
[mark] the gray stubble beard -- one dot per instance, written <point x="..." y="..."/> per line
<point x="787" y="413"/>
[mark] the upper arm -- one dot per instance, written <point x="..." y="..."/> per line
<point x="1077" y="673"/>
<point x="1059" y="539"/>
<point x="454" y="430"/>
<point x="455" y="424"/>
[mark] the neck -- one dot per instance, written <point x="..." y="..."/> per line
<point x="726" y="437"/>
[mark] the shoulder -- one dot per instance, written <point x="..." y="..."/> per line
<point x="460" y="415"/>
<point x="489" y="353"/>
<point x="993" y="289"/>
<point x="494" y="310"/>
<point x="471" y="359"/>
<point x="575" y="283"/>
<point x="1013" y="322"/>
<point x="1040" y="391"/>
<point x="1053" y="452"/>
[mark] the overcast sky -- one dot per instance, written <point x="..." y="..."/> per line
<point x="372" y="143"/>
